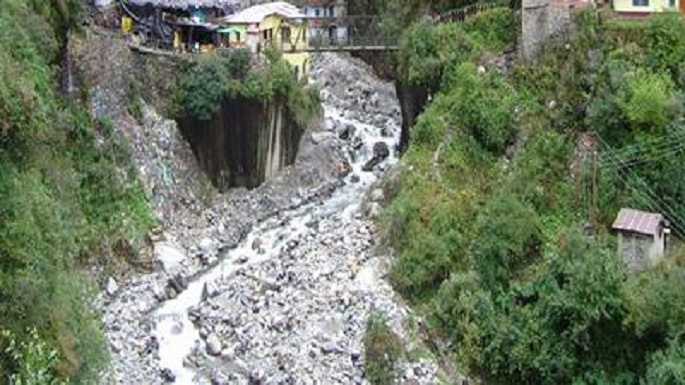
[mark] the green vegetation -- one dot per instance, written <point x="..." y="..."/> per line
<point x="229" y="75"/>
<point x="68" y="198"/>
<point x="383" y="350"/>
<point x="487" y="217"/>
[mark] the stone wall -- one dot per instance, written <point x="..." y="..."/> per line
<point x="542" y="20"/>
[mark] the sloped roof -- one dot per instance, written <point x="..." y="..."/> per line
<point x="186" y="3"/>
<point x="257" y="13"/>
<point x="638" y="221"/>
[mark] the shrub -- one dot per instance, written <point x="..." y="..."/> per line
<point x="666" y="51"/>
<point x="383" y="350"/>
<point x="37" y="360"/>
<point x="508" y="238"/>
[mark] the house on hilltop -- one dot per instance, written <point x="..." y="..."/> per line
<point x="642" y="8"/>
<point x="326" y="20"/>
<point x="279" y="25"/>
<point x="642" y="238"/>
<point x="187" y="25"/>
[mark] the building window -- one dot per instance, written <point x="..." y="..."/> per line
<point x="316" y="12"/>
<point x="641" y="3"/>
<point x="671" y="3"/>
<point x="331" y="11"/>
<point x="285" y="34"/>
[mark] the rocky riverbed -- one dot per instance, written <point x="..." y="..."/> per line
<point x="271" y="285"/>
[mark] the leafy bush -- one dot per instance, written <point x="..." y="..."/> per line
<point x="648" y="100"/>
<point x="508" y="238"/>
<point x="383" y="349"/>
<point x="38" y="360"/>
<point x="667" y="366"/>
<point x="228" y="75"/>
<point x="666" y="51"/>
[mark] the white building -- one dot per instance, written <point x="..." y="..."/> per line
<point x="326" y="20"/>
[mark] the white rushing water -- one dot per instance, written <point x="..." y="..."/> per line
<point x="176" y="333"/>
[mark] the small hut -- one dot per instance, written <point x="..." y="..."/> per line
<point x="641" y="238"/>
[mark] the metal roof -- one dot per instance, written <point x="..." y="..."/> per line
<point x="186" y="3"/>
<point x="257" y="13"/>
<point x="638" y="221"/>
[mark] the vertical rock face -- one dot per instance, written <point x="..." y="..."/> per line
<point x="412" y="100"/>
<point x="245" y="143"/>
<point x="540" y="21"/>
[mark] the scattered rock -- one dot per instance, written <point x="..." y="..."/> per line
<point x="347" y="132"/>
<point x="167" y="375"/>
<point x="256" y="244"/>
<point x="213" y="345"/>
<point x="380" y="153"/>
<point x="218" y="378"/>
<point x="112" y="287"/>
<point x="320" y="137"/>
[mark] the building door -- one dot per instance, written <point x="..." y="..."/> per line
<point x="681" y="6"/>
<point x="333" y="34"/>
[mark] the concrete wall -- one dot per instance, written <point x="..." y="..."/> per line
<point x="540" y="21"/>
<point x="640" y="251"/>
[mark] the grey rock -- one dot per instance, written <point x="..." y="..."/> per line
<point x="112" y="287"/>
<point x="380" y="153"/>
<point x="167" y="375"/>
<point x="170" y="292"/>
<point x="213" y="344"/>
<point x="320" y="137"/>
<point x="347" y="132"/>
<point x="218" y="378"/>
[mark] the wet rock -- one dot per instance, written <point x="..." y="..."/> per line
<point x="380" y="153"/>
<point x="213" y="345"/>
<point x="178" y="282"/>
<point x="343" y="169"/>
<point x="256" y="244"/>
<point x="347" y="132"/>
<point x="170" y="292"/>
<point x="380" y="150"/>
<point x="167" y="375"/>
<point x="218" y="378"/>
<point x="209" y="290"/>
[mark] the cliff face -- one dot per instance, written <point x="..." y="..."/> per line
<point x="245" y="143"/>
<point x="412" y="99"/>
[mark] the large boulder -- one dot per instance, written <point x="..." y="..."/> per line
<point x="380" y="153"/>
<point x="347" y="132"/>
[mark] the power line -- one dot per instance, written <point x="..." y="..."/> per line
<point x="644" y="149"/>
<point x="645" y="192"/>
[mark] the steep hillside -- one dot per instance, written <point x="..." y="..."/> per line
<point x="488" y="216"/>
<point x="68" y="199"/>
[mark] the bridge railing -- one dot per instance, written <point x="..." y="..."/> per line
<point x="462" y="14"/>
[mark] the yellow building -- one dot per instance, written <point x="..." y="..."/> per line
<point x="279" y="25"/>
<point x="639" y="8"/>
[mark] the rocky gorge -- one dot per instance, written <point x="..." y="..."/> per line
<point x="274" y="284"/>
